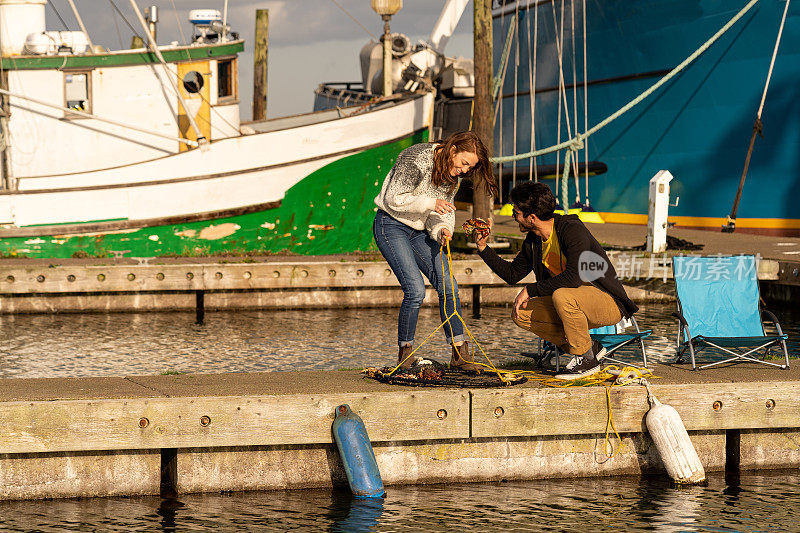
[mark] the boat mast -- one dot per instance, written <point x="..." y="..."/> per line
<point x="8" y="183"/>
<point x="446" y="24"/>
<point x="222" y="38"/>
<point x="153" y="46"/>
<point x="483" y="115"/>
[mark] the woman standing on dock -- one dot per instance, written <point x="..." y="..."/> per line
<point x="416" y="218"/>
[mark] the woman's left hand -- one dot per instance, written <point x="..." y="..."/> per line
<point x="445" y="236"/>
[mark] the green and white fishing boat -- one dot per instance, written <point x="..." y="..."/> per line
<point x="141" y="152"/>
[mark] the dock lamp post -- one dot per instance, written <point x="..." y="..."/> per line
<point x="387" y="8"/>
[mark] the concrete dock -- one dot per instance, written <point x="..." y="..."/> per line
<point x="355" y="280"/>
<point x="227" y="432"/>
<point x="173" y="434"/>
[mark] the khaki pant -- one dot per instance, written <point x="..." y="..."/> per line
<point x="566" y="317"/>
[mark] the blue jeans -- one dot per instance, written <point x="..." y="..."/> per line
<point x="411" y="253"/>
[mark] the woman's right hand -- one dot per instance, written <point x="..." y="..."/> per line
<point x="443" y="207"/>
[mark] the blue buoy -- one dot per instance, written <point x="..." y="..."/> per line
<point x="357" y="455"/>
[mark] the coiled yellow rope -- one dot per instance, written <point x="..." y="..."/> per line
<point x="618" y="377"/>
<point x="502" y="374"/>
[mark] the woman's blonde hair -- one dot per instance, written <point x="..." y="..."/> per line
<point x="463" y="141"/>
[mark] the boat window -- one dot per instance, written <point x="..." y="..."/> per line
<point x="193" y="82"/>
<point x="226" y="79"/>
<point x="78" y="92"/>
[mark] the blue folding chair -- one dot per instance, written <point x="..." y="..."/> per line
<point x="605" y="335"/>
<point x="613" y="341"/>
<point x="718" y="307"/>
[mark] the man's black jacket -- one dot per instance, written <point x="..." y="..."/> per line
<point x="574" y="238"/>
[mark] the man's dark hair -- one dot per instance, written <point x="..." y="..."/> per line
<point x="534" y="199"/>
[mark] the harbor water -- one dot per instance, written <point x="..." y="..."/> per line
<point x="77" y="345"/>
<point x="72" y="345"/>
<point x="753" y="502"/>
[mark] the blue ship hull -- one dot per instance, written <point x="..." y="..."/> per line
<point x="697" y="126"/>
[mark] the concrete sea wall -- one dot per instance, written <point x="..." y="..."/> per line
<point x="161" y="434"/>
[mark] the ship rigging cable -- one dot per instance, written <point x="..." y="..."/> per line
<point x="346" y="12"/>
<point x="585" y="105"/>
<point x="532" y="172"/>
<point x="758" y="128"/>
<point x="577" y="143"/>
<point x="52" y="5"/>
<point x="78" y="112"/>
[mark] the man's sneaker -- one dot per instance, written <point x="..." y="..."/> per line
<point x="580" y="367"/>
<point x="598" y="350"/>
<point x="572" y="363"/>
<point x="569" y="361"/>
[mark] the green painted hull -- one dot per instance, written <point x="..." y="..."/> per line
<point x="328" y="212"/>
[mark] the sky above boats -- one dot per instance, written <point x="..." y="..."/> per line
<point x="310" y="41"/>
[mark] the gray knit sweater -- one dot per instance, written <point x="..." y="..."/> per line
<point x="408" y="193"/>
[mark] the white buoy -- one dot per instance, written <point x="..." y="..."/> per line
<point x="672" y="441"/>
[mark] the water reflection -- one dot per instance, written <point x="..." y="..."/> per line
<point x="675" y="508"/>
<point x="766" y="501"/>
<point x="354" y="515"/>
<point x="168" y="510"/>
<point x="151" y="343"/>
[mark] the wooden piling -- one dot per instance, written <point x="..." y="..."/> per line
<point x="260" y="65"/>
<point x="482" y="112"/>
<point x="476" y="301"/>
<point x="8" y="182"/>
<point x="200" y="307"/>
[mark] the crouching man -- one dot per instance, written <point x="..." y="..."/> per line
<point x="576" y="286"/>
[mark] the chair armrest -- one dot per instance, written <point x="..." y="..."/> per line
<point x="681" y="319"/>
<point x="772" y="318"/>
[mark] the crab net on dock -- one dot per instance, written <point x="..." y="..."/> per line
<point x="429" y="373"/>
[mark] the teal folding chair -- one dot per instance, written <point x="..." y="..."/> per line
<point x="718" y="307"/>
<point x="613" y="341"/>
<point x="605" y="335"/>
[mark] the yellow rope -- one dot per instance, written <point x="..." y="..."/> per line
<point x="501" y="374"/>
<point x="620" y="376"/>
<point x="610" y="423"/>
